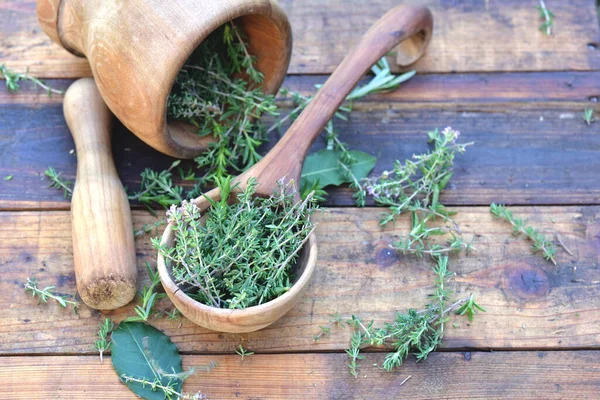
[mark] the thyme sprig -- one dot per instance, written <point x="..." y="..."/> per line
<point x="420" y="179"/>
<point x="547" y="17"/>
<point x="239" y="254"/>
<point x="242" y="352"/>
<point x="47" y="293"/>
<point x="103" y="342"/>
<point x="12" y="79"/>
<point x="57" y="182"/>
<point x="149" y="298"/>
<point x="157" y="187"/>
<point x="414" y="186"/>
<point x="164" y="381"/>
<point x="540" y="243"/>
<point x="169" y="389"/>
<point x="414" y="332"/>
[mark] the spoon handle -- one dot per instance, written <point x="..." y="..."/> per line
<point x="410" y="24"/>
<point x="103" y="247"/>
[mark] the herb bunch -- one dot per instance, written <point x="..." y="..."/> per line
<point x="540" y="243"/>
<point x="414" y="332"/>
<point x="414" y="186"/>
<point x="209" y="93"/>
<point x="241" y="254"/>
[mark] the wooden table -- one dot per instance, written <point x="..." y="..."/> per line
<point x="518" y="94"/>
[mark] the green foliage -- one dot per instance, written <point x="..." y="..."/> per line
<point x="414" y="332"/>
<point x="147" y="228"/>
<point x="588" y="116"/>
<point x="335" y="319"/>
<point x="209" y="94"/>
<point x="58" y="183"/>
<point x="547" y="18"/>
<point x="148" y="296"/>
<point x="325" y="168"/>
<point x="142" y="353"/>
<point x="240" y="254"/>
<point x="158" y="188"/>
<point x="540" y="243"/>
<point x="46" y="294"/>
<point x="469" y="308"/>
<point x="13" y="78"/>
<point x="103" y="343"/>
<point x="8" y="177"/>
<point x="414" y="186"/>
<point x="383" y="81"/>
<point x="240" y="351"/>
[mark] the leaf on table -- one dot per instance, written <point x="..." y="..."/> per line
<point x="138" y="350"/>
<point x="323" y="166"/>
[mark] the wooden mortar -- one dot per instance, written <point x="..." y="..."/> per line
<point x="137" y="48"/>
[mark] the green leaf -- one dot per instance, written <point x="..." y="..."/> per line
<point x="137" y="349"/>
<point x="324" y="166"/>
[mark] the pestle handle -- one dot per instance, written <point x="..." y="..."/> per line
<point x="410" y="24"/>
<point x="103" y="246"/>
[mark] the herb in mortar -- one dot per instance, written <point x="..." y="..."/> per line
<point x="242" y="254"/>
<point x="210" y="93"/>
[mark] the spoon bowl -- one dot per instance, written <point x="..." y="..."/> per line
<point x="412" y="25"/>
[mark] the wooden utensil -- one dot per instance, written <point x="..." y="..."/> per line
<point x="103" y="248"/>
<point x="403" y="23"/>
<point x="137" y="48"/>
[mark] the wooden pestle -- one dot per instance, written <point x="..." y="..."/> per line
<point x="103" y="247"/>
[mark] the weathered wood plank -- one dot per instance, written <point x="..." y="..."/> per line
<point x="531" y="146"/>
<point x="530" y="303"/>
<point x="504" y="375"/>
<point x="441" y="90"/>
<point x="469" y="36"/>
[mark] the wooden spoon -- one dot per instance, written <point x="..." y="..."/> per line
<point x="103" y="248"/>
<point x="403" y="23"/>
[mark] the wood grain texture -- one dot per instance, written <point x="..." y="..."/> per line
<point x="523" y="89"/>
<point x="504" y="375"/>
<point x="531" y="143"/>
<point x="103" y="249"/>
<point x="469" y="36"/>
<point x="530" y="303"/>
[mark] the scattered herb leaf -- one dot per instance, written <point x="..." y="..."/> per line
<point x="540" y="244"/>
